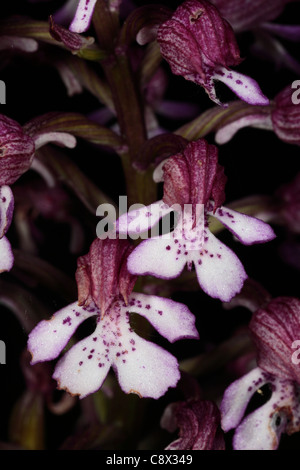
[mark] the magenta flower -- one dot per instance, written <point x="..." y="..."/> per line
<point x="6" y="212"/>
<point x="141" y="366"/>
<point x="275" y="329"/>
<point x="200" y="45"/>
<point x="194" y="189"/>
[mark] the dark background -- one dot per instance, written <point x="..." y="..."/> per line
<point x="255" y="161"/>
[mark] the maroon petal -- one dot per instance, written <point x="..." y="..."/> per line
<point x="194" y="176"/>
<point x="16" y="151"/>
<point x="72" y="41"/>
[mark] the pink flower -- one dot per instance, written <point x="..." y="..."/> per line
<point x="275" y="329"/>
<point x="141" y="366"/>
<point x="194" y="190"/>
<point x="200" y="45"/>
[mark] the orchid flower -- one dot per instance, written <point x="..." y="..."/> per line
<point x="105" y="292"/>
<point x="200" y="45"/>
<point x="193" y="180"/>
<point x="275" y="329"/>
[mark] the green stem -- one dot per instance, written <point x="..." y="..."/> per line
<point x="128" y="105"/>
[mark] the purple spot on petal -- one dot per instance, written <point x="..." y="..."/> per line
<point x="168" y="248"/>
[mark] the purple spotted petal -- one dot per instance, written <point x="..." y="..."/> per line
<point x="6" y="255"/>
<point x="246" y="88"/>
<point x="83" y="16"/>
<point x="247" y="229"/>
<point x="60" y="138"/>
<point x="172" y="320"/>
<point x="157" y="257"/>
<point x="6" y="209"/>
<point x="226" y="133"/>
<point x="262" y="429"/>
<point x="149" y="372"/>
<point x="238" y="395"/>
<point x="219" y="271"/>
<point x="49" y="337"/>
<point x="142" y="367"/>
<point x="83" y="369"/>
<point x="140" y="220"/>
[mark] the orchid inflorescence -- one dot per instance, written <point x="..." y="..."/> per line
<point x="138" y="278"/>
